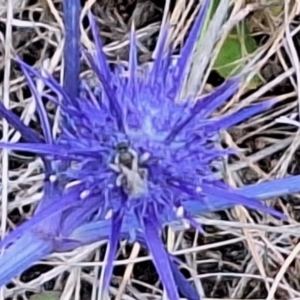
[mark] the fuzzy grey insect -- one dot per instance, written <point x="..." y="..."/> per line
<point x="133" y="178"/>
<point x="125" y="155"/>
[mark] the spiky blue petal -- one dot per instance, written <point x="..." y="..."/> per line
<point x="71" y="10"/>
<point x="25" y="252"/>
<point x="183" y="285"/>
<point x="234" y="198"/>
<point x="186" y="53"/>
<point x="114" y="237"/>
<point x="15" y="122"/>
<point x="40" y="108"/>
<point x="160" y="256"/>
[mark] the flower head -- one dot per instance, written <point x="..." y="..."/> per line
<point x="129" y="151"/>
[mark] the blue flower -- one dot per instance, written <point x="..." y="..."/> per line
<point x="127" y="151"/>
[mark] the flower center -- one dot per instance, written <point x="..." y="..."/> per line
<point x="132" y="177"/>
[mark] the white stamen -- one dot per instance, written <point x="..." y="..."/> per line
<point x="198" y="189"/>
<point x="180" y="212"/>
<point x="110" y="186"/>
<point x="108" y="214"/>
<point x="144" y="157"/>
<point x="72" y="183"/>
<point x="52" y="178"/>
<point x="84" y="194"/>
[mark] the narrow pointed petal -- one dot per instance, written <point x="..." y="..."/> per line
<point x="112" y="101"/>
<point x="100" y="66"/>
<point x="53" y="209"/>
<point x="100" y="55"/>
<point x="113" y="244"/>
<point x="48" y="81"/>
<point x="161" y="55"/>
<point x="186" y="53"/>
<point x="95" y="231"/>
<point x="71" y="9"/>
<point x="235" y="199"/>
<point x="80" y="214"/>
<point x="36" y="148"/>
<point x="241" y="115"/>
<point x="40" y="107"/>
<point x="22" y="255"/>
<point x="256" y="192"/>
<point x="62" y="244"/>
<point x="272" y="189"/>
<point x="51" y="150"/>
<point x="15" y="122"/>
<point x="205" y="106"/>
<point x="209" y="103"/>
<point x="160" y="259"/>
<point x="133" y="64"/>
<point x="26" y="132"/>
<point x="185" y="288"/>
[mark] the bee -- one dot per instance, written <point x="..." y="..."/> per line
<point x="125" y="155"/>
<point x="132" y="177"/>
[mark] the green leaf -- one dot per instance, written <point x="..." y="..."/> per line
<point x="233" y="53"/>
